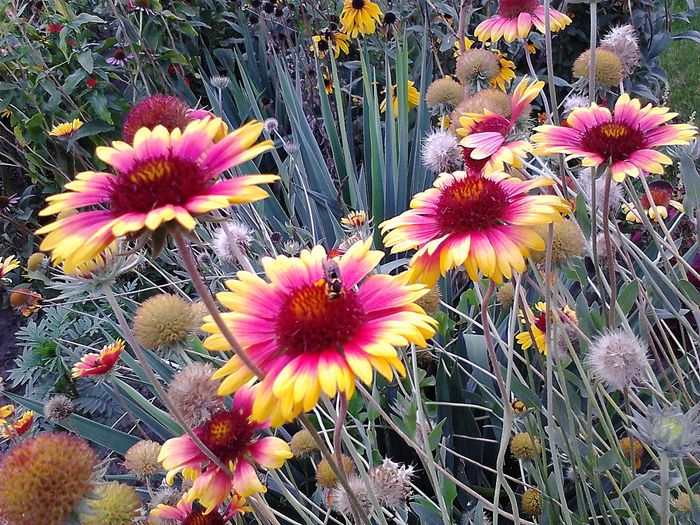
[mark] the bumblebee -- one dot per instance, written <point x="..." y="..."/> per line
<point x="334" y="285"/>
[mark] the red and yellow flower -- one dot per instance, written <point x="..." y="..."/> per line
<point x="516" y="18"/>
<point x="625" y="138"/>
<point x="538" y="326"/>
<point x="97" y="364"/>
<point x="661" y="197"/>
<point x="232" y="436"/>
<point x="164" y="179"/>
<point x="485" y="135"/>
<point x="66" y="129"/>
<point x="17" y="428"/>
<point x="188" y="513"/>
<point x="311" y="332"/>
<point x="481" y="222"/>
<point x="7" y="264"/>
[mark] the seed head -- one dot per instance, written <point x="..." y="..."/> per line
<point x="444" y="95"/>
<point x="622" y="40"/>
<point x="163" y="110"/>
<point x="575" y="101"/>
<point x="430" y="302"/>
<point x="58" y="408"/>
<point x="567" y="242"/>
<point x="35" y="261"/>
<point x="303" y="444"/>
<point x="194" y="392"/>
<point x="116" y="504"/>
<point x="532" y="502"/>
<point x="271" y="125"/>
<point x="44" y="479"/>
<point x="477" y="65"/>
<point x="341" y="500"/>
<point x="506" y="295"/>
<point x="225" y="242"/>
<point x="325" y="477"/>
<point x="608" y="67"/>
<point x="615" y="198"/>
<point x="220" y="82"/>
<point x="617" y="358"/>
<point x="141" y="460"/>
<point x="441" y="152"/>
<point x="392" y="483"/>
<point x="493" y="100"/>
<point x="165" y="321"/>
<point x="525" y="446"/>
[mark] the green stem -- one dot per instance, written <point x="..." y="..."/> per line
<point x="591" y="62"/>
<point x="612" y="276"/>
<point x="664" y="488"/>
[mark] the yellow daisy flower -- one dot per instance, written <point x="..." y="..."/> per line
<point x="360" y="17"/>
<point x="330" y="40"/>
<point x="413" y="98"/>
<point x="66" y="128"/>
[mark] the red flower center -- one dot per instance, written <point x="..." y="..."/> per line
<point x="471" y="204"/>
<point x="660" y="196"/>
<point x="541" y="322"/>
<point x="311" y="321"/>
<point x="228" y="435"/>
<point x="613" y="140"/>
<point x="157" y="182"/>
<point x="197" y="517"/>
<point x="512" y="8"/>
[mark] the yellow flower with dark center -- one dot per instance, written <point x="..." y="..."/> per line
<point x="327" y="84"/>
<point x="538" y="327"/>
<point x="413" y="98"/>
<point x="66" y="129"/>
<point x="468" y="43"/>
<point x="335" y="41"/>
<point x="506" y="74"/>
<point x="360" y="17"/>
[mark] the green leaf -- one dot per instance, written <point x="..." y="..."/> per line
<point x="627" y="296"/>
<point x="85" y="60"/>
<point x="690" y="290"/>
<point x="97" y="433"/>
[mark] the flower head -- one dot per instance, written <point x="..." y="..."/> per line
<point x="329" y="40"/>
<point x="34" y="262"/>
<point x="608" y="67"/>
<point x="486" y="135"/>
<point x="165" y="178"/>
<point x="505" y="295"/>
<point x="44" y="479"/>
<point x="567" y="242"/>
<point x="538" y="326"/>
<point x="617" y="358"/>
<point x="142" y="459"/>
<point x="661" y="193"/>
<point x="625" y="138"/>
<point x="413" y="98"/>
<point x="119" y="58"/>
<point x="326" y="478"/>
<point x="441" y="152"/>
<point x="25" y="300"/>
<point x="532" y="502"/>
<point x="194" y="393"/>
<point x="19" y="427"/>
<point x="477" y="67"/>
<point x="485" y="101"/>
<point x="623" y="41"/>
<point x="525" y="446"/>
<point x="66" y="129"/>
<point x="303" y="444"/>
<point x="114" y="504"/>
<point x="188" y="513"/>
<point x="359" y="17"/>
<point x="669" y="430"/>
<point x="166" y="321"/>
<point x="506" y="72"/>
<point x="586" y="182"/>
<point x="157" y="110"/>
<point x="232" y="436"/>
<point x="58" y="408"/>
<point x="444" y="95"/>
<point x="481" y="222"/>
<point x="516" y="18"/>
<point x="99" y="363"/>
<point x="317" y="326"/>
<point x="230" y="240"/>
<point x="7" y="264"/>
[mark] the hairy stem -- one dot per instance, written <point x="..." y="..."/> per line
<point x="612" y="276"/>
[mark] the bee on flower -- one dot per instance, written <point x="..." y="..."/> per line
<point x="100" y="363"/>
<point x="7" y="264"/>
<point x="538" y="326"/>
<point x="66" y="129"/>
<point x="661" y="193"/>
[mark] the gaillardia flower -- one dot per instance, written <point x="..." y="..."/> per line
<point x="19" y="427"/>
<point x="7" y="264"/>
<point x="661" y="193"/>
<point x="413" y="98"/>
<point x="97" y="364"/>
<point x="194" y="514"/>
<point x="485" y="142"/>
<point x="625" y="138"/>
<point x="539" y="324"/>
<point x="232" y="436"/>
<point x="316" y="326"/>
<point x="66" y="129"/>
<point x="360" y="17"/>
<point x="515" y="19"/>
<point x="163" y="179"/>
<point x="481" y="222"/>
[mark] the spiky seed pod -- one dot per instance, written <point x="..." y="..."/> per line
<point x="525" y="446"/>
<point x="617" y="358"/>
<point x="683" y="503"/>
<point x="444" y="94"/>
<point x="166" y="320"/>
<point x="165" y="495"/>
<point x="44" y="479"/>
<point x="226" y="240"/>
<point x="141" y="460"/>
<point x="441" y="152"/>
<point x="325" y="477"/>
<point x="58" y="408"/>
<point x="35" y="261"/>
<point x="567" y="242"/>
<point x="195" y="394"/>
<point x="341" y="500"/>
<point x="505" y="295"/>
<point x="158" y="110"/>
<point x="116" y="504"/>
<point x="493" y="100"/>
<point x="392" y="483"/>
<point x="220" y="82"/>
<point x="303" y="444"/>
<point x="477" y="65"/>
<point x="532" y="502"/>
<point x="430" y="302"/>
<point x="622" y="40"/>
<point x="608" y="67"/>
<point x="271" y="125"/>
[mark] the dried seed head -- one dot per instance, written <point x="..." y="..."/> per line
<point x="617" y="358"/>
<point x="506" y="295"/>
<point x="325" y="477"/>
<point x="303" y="444"/>
<point x="525" y="446"/>
<point x="567" y="242"/>
<point x="194" y="392"/>
<point x="166" y="321"/>
<point x="430" y="302"/>
<point x="35" y="261"/>
<point x="444" y="94"/>
<point x="532" y="502"/>
<point x="608" y="67"/>
<point x="158" y="110"/>
<point x="141" y="460"/>
<point x="477" y="65"/>
<point x="441" y="152"/>
<point x="116" y="504"/>
<point x="58" y="408"/>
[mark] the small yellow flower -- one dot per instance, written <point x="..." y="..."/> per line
<point x="330" y="40"/>
<point x="328" y="84"/>
<point x="468" y="43"/>
<point x="66" y="129"/>
<point x="7" y="265"/>
<point x="413" y="98"/>
<point x="360" y="17"/>
<point x="538" y="326"/>
<point x="506" y="74"/>
<point x="6" y="113"/>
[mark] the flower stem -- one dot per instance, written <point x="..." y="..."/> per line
<point x="608" y="249"/>
<point x="162" y="394"/>
<point x="664" y="488"/>
<point x="208" y="300"/>
<point x="591" y="61"/>
<point x="337" y="432"/>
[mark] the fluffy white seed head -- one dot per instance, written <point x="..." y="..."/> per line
<point x="617" y="358"/>
<point x="223" y="241"/>
<point x="622" y="40"/>
<point x="586" y="183"/>
<point x="441" y="152"/>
